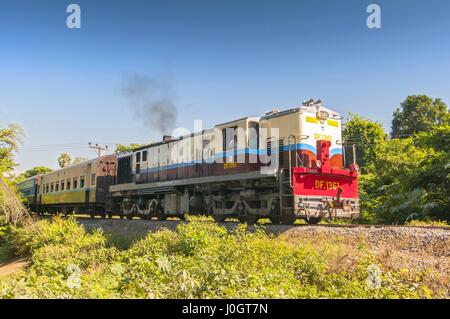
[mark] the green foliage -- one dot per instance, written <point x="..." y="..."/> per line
<point x="64" y="160"/>
<point x="79" y="159"/>
<point x="419" y="113"/>
<point x="127" y="148"/>
<point x="6" y="251"/>
<point x="199" y="260"/>
<point x="367" y="135"/>
<point x="10" y="138"/>
<point x="410" y="179"/>
<point x="37" y="170"/>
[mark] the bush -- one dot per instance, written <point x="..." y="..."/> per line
<point x="200" y="259"/>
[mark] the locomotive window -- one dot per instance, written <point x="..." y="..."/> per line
<point x="138" y="157"/>
<point x="75" y="183"/>
<point x="305" y="160"/>
<point x="253" y="136"/>
<point x="269" y="148"/>
<point x="280" y="150"/>
<point x="144" y="156"/>
<point x="229" y="136"/>
<point x="93" y="179"/>
<point x="82" y="182"/>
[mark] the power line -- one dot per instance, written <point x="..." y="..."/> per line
<point x="98" y="149"/>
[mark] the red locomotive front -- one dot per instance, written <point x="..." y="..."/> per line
<point x="325" y="192"/>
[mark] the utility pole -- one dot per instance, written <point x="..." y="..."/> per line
<point x="98" y="149"/>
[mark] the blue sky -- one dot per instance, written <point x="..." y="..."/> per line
<point x="223" y="59"/>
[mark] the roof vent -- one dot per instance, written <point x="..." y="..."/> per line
<point x="273" y="112"/>
<point x="167" y="138"/>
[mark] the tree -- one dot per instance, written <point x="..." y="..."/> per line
<point x="410" y="179"/>
<point x="418" y="113"/>
<point x="64" y="160"/>
<point x="79" y="159"/>
<point x="37" y="170"/>
<point x="120" y="148"/>
<point x="368" y="137"/>
<point x="10" y="138"/>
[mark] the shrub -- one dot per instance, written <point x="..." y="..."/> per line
<point x="200" y="259"/>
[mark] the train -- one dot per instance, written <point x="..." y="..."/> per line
<point x="283" y="166"/>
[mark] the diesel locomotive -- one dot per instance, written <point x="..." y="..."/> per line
<point x="283" y="166"/>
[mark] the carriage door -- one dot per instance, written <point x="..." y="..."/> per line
<point x="87" y="184"/>
<point x="35" y="194"/>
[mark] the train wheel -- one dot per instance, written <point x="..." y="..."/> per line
<point x="129" y="217"/>
<point x="252" y="219"/>
<point x="162" y="217"/>
<point x="242" y="218"/>
<point x="288" y="219"/>
<point x="182" y="217"/>
<point x="219" y="218"/>
<point x="92" y="215"/>
<point x="143" y="216"/>
<point x="152" y="210"/>
<point x="313" y="220"/>
<point x="275" y="219"/>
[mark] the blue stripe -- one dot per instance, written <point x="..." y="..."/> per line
<point x="254" y="151"/>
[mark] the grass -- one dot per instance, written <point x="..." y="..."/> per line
<point x="199" y="260"/>
<point x="437" y="223"/>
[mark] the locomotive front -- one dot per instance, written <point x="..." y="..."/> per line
<point x="322" y="186"/>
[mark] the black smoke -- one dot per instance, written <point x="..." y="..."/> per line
<point x="151" y="101"/>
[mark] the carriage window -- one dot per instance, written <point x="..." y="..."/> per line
<point x="82" y="182"/>
<point x="138" y="157"/>
<point x="68" y="185"/>
<point x="62" y="185"/>
<point x="51" y="187"/>
<point x="75" y="183"/>
<point x="56" y="187"/>
<point x="138" y="168"/>
<point x="93" y="179"/>
<point x="144" y="156"/>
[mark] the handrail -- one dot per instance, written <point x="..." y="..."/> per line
<point x="290" y="157"/>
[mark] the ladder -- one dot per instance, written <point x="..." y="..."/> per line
<point x="286" y="191"/>
<point x="285" y="179"/>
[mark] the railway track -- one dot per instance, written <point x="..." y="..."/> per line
<point x="86" y="220"/>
